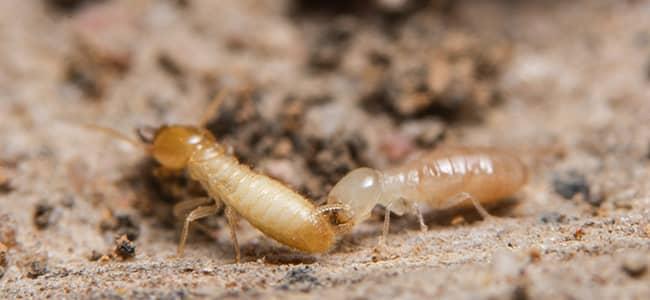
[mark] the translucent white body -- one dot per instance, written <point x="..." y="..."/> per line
<point x="485" y="174"/>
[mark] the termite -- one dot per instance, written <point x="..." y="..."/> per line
<point x="267" y="204"/>
<point x="444" y="178"/>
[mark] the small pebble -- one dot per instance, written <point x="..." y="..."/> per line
<point x="578" y="234"/>
<point x="552" y="217"/>
<point x="124" y="248"/>
<point x="3" y="255"/>
<point x="37" y="266"/>
<point x="635" y="264"/>
<point x="43" y="215"/>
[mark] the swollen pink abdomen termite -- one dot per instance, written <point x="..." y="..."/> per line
<point x="486" y="174"/>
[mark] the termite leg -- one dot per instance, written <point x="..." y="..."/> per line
<point x="232" y="217"/>
<point x="197" y="213"/>
<point x="418" y="212"/>
<point x="182" y="208"/>
<point x="462" y="197"/>
<point x="384" y="231"/>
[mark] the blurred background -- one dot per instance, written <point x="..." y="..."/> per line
<point x="315" y="89"/>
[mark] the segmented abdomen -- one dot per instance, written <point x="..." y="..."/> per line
<point x="265" y="203"/>
<point x="485" y="173"/>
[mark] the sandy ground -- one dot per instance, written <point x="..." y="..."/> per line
<point x="318" y="89"/>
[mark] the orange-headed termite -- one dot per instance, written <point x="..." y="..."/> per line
<point x="267" y="204"/>
<point x="443" y="178"/>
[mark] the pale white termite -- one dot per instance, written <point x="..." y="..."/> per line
<point x="444" y="178"/>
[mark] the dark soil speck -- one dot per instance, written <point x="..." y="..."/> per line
<point x="124" y="248"/>
<point x="44" y="215"/>
<point x="570" y="184"/>
<point x="300" y="278"/>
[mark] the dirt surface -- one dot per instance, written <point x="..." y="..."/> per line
<point x="315" y="90"/>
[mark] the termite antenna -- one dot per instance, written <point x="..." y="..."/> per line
<point x="118" y="135"/>
<point x="146" y="133"/>
<point x="212" y="111"/>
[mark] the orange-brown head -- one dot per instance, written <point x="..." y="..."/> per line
<point x="173" y="145"/>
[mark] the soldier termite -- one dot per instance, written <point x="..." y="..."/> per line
<point x="444" y="178"/>
<point x="267" y="204"/>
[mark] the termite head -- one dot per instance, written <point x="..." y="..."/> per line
<point x="172" y="146"/>
<point x="357" y="192"/>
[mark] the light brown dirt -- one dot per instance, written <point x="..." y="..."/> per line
<point x="316" y="91"/>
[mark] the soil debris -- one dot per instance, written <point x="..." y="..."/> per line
<point x="457" y="80"/>
<point x="427" y="133"/>
<point x="300" y="278"/>
<point x="94" y="255"/>
<point x="3" y="258"/>
<point x="316" y="162"/>
<point x="36" y="265"/>
<point x="7" y="231"/>
<point x="44" y="215"/>
<point x="124" y="248"/>
<point x="104" y="35"/>
<point x="570" y="184"/>
<point x="5" y="182"/>
<point x="579" y="233"/>
<point x="552" y="217"/>
<point x="329" y="48"/>
<point x="120" y="224"/>
<point x="68" y="201"/>
<point x="314" y="89"/>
